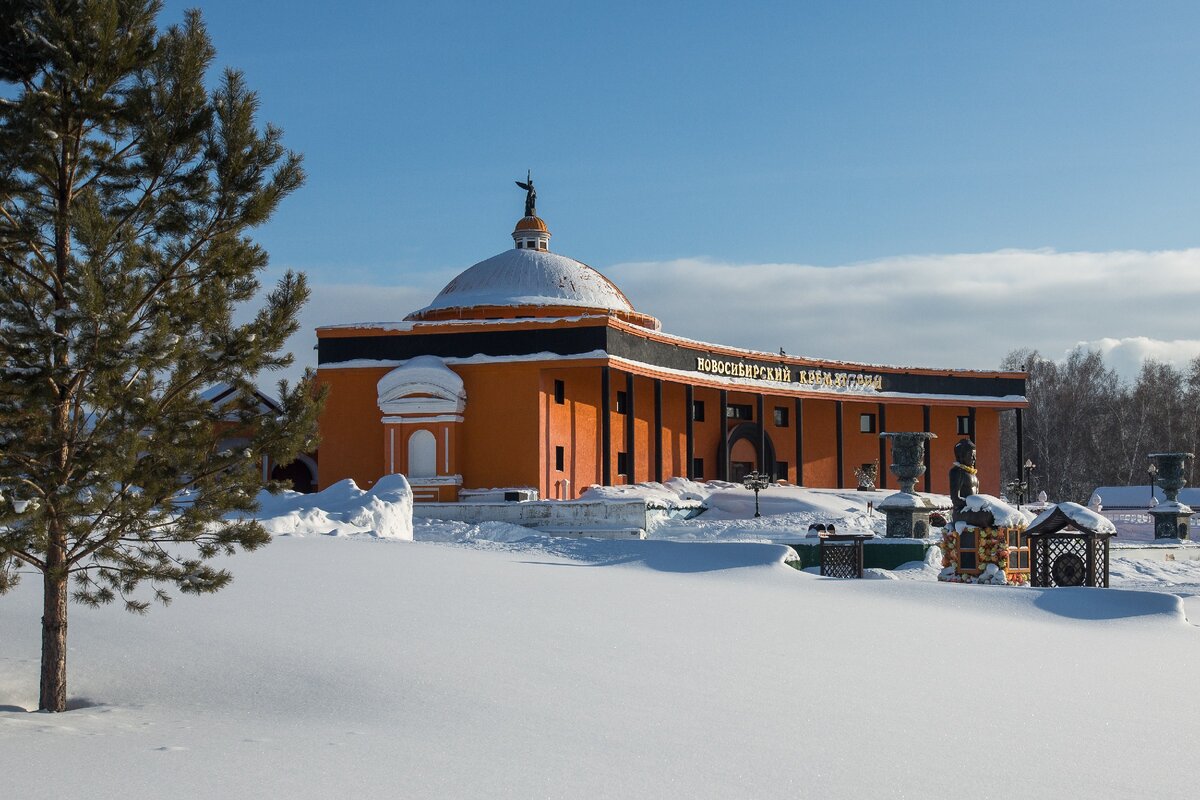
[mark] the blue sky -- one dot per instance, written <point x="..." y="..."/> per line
<point x="803" y="133"/>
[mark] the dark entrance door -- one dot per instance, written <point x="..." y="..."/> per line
<point x="743" y="459"/>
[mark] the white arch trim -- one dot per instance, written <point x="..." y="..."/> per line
<point x="424" y="385"/>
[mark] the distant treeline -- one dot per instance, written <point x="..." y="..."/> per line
<point x="1086" y="427"/>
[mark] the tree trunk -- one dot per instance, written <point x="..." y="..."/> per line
<point x="54" y="634"/>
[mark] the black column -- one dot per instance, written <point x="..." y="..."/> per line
<point x="605" y="429"/>
<point x="928" y="450"/>
<point x="658" y="458"/>
<point x="631" y="476"/>
<point x="882" y="446"/>
<point x="1021" y="449"/>
<point x="762" y="438"/>
<point x="724" y="429"/>
<point x="840" y="464"/>
<point x="971" y="423"/>
<point x="689" y="447"/>
<point x="799" y="441"/>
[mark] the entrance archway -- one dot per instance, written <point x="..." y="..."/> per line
<point x="300" y="473"/>
<point x="743" y="459"/>
<point x="750" y="433"/>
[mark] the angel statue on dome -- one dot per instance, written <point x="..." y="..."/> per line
<point x="530" y="194"/>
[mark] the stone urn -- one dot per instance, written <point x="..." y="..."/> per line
<point x="908" y="457"/>
<point x="907" y="512"/>
<point x="1171" y="467"/>
<point x="1171" y="518"/>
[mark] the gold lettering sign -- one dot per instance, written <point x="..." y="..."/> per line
<point x="817" y="378"/>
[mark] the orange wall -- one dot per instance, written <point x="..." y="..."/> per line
<point x="820" y="443"/>
<point x="351" y="429"/>
<point x="500" y="443"/>
<point x="707" y="434"/>
<point x="858" y="448"/>
<point x="574" y="425"/>
<point x="987" y="442"/>
<point x="674" y="414"/>
<point x="783" y="437"/>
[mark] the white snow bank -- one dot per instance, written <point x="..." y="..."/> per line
<point x="675" y="493"/>
<point x="787" y="511"/>
<point x="385" y="510"/>
<point x="373" y="668"/>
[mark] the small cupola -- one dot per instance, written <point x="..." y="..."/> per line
<point x="531" y="232"/>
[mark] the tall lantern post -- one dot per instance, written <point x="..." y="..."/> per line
<point x="756" y="482"/>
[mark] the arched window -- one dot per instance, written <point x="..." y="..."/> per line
<point x="422" y="455"/>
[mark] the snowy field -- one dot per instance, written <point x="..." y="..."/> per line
<point x="484" y="662"/>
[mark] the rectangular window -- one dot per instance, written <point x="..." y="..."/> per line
<point x="781" y="470"/>
<point x="781" y="416"/>
<point x="560" y="458"/>
<point x="1018" y="550"/>
<point x="866" y="423"/>
<point x="698" y="410"/>
<point x="623" y="463"/>
<point x="737" y="411"/>
<point x="560" y="392"/>
<point x="622" y="403"/>
<point x="968" y="550"/>
<point x="964" y="426"/>
<point x="698" y="468"/>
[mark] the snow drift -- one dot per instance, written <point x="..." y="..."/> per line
<point x="385" y="510"/>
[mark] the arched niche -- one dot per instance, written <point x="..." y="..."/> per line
<point x="422" y="454"/>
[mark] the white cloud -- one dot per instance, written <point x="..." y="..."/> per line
<point x="963" y="310"/>
<point x="1126" y="355"/>
<point x="957" y="310"/>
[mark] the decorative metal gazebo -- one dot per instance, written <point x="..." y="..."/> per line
<point x="842" y="555"/>
<point x="1068" y="546"/>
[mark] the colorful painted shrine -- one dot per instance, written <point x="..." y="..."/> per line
<point x="966" y="554"/>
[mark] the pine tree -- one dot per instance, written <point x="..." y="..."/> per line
<point x="127" y="190"/>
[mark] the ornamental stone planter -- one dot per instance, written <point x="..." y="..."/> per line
<point x="907" y="512"/>
<point x="1171" y="518"/>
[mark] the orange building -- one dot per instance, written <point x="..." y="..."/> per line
<point x="531" y="369"/>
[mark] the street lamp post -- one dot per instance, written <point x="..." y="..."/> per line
<point x="1027" y="468"/>
<point x="1152" y="471"/>
<point x="756" y="482"/>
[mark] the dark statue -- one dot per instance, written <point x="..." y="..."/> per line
<point x="964" y="481"/>
<point x="530" y="195"/>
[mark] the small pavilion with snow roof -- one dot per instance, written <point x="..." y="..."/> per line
<point x="1069" y="546"/>
<point x="533" y="370"/>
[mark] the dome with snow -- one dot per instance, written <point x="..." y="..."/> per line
<point x="531" y="279"/>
